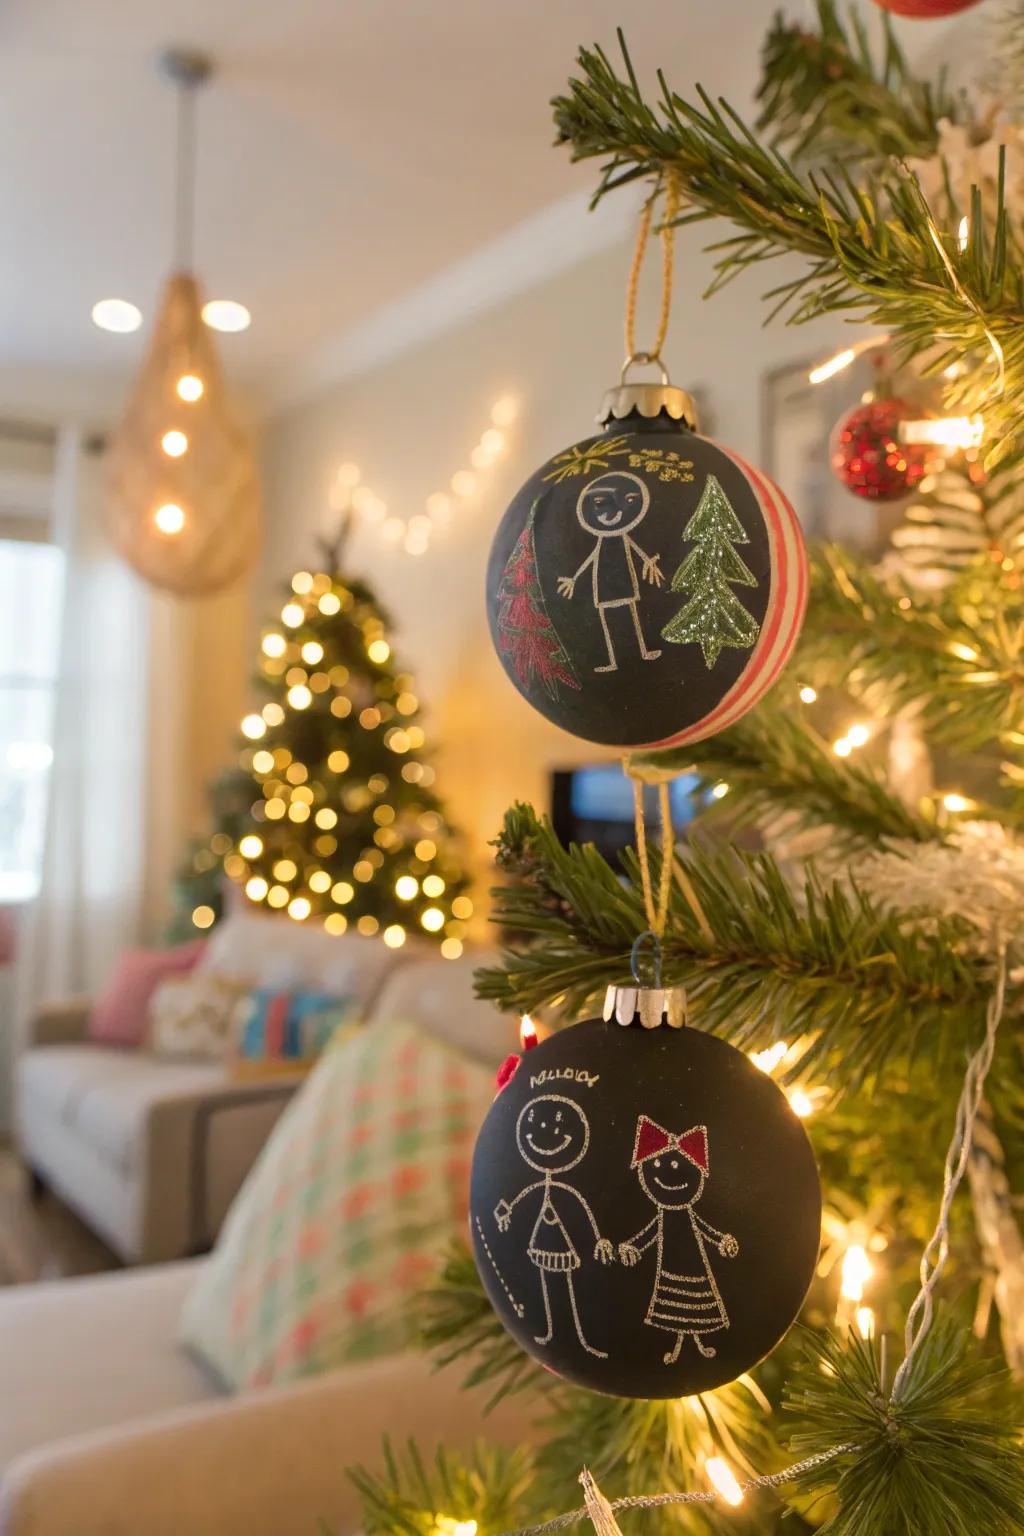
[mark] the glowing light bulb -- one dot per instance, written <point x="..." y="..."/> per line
<point x="320" y="881"/>
<point x="808" y="694"/>
<point x="254" y="726"/>
<point x="865" y="1319"/>
<point x="527" y="1033"/>
<point x="348" y="474"/>
<point x="406" y="887"/>
<point x="174" y="443"/>
<point x="394" y="936"/>
<point x="504" y="410"/>
<point x="723" y="1479"/>
<point x="256" y="888"/>
<point x="954" y="802"/>
<point x="831" y="366"/>
<point x="425" y="850"/>
<point x="462" y="907"/>
<point x="856" y="1272"/>
<point x="169" y="518"/>
<point x="843" y="747"/>
<point x="300" y="697"/>
<point x="251" y="846"/>
<point x="768" y="1059"/>
<point x="432" y="919"/>
<point x="226" y="315"/>
<point x="299" y="908"/>
<point x="447" y="1525"/>
<point x="116" y="315"/>
<point x="274" y="644"/>
<point x="433" y="886"/>
<point x="719" y="790"/>
<point x="858" y="735"/>
<point x="342" y="893"/>
<point x="273" y="714"/>
<point x="378" y="651"/>
<point x="292" y="615"/>
<point x="329" y="604"/>
<point x="800" y="1103"/>
<point x="335" y="922"/>
<point x="463" y="482"/>
<point x="312" y="652"/>
<point x="302" y="582"/>
<point x="451" y="949"/>
<point x="190" y="388"/>
<point x="203" y="917"/>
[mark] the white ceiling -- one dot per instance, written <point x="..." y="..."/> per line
<point x="350" y="152"/>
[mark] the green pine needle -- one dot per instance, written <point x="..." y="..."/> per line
<point x="491" y="1485"/>
<point x="946" y="1459"/>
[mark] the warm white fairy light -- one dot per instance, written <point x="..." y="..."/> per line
<point x="800" y="1102"/>
<point x="768" y="1059"/>
<point x="447" y="1525"/>
<point x="254" y="726"/>
<point x="963" y="233"/>
<point x="719" y="790"/>
<point x="832" y="366"/>
<point x="723" y="1479"/>
<point x="955" y="802"/>
<point x="865" y="1320"/>
<point x="808" y="694"/>
<point x="858" y="735"/>
<point x="169" y="518"/>
<point x="953" y="432"/>
<point x="843" y="747"/>
<point x="856" y="1271"/>
<point x="414" y="534"/>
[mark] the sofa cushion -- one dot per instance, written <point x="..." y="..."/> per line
<point x="106" y="1096"/>
<point x="121" y="1011"/>
<point x="82" y="1354"/>
<point x="359" y="1189"/>
<point x="438" y="996"/>
<point x="193" y="1016"/>
<point x="277" y="952"/>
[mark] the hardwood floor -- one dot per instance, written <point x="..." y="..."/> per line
<point x="42" y="1239"/>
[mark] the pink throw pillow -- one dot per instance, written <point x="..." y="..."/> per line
<point x="119" y="1015"/>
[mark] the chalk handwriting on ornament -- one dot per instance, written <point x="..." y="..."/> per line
<point x="665" y="466"/>
<point x="714" y="616"/>
<point x="686" y="1300"/>
<point x="583" y="460"/>
<point x="573" y="1074"/>
<point x="553" y="1134"/>
<point x="611" y="507"/>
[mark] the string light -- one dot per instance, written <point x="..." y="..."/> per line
<point x="203" y="917"/>
<point x="723" y="1480"/>
<point x="954" y="802"/>
<point x="842" y="359"/>
<point x="462" y="907"/>
<point x="858" y="735"/>
<point x="378" y="651"/>
<point x="843" y="747"/>
<point x="953" y="432"/>
<point x="169" y="518"/>
<point x="808" y="694"/>
<point x="274" y="645"/>
<point x="800" y="1102"/>
<point x="256" y="888"/>
<point x="865" y="1320"/>
<point x="415" y="533"/>
<point x="719" y="790"/>
<point x="768" y="1059"/>
<point x="300" y="697"/>
<point x="190" y="388"/>
<point x="292" y="615"/>
<point x="254" y="726"/>
<point x="432" y="919"/>
<point x="451" y="949"/>
<point x="447" y="1525"/>
<point x="857" y="1270"/>
<point x="407" y="887"/>
<point x="174" y="444"/>
<point x="251" y="846"/>
<point x="394" y="936"/>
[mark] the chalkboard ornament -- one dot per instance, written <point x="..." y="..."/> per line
<point x="645" y="587"/>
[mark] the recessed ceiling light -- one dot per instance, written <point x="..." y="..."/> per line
<point x="116" y="315"/>
<point x="226" y="315"/>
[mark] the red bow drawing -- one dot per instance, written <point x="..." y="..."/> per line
<point x="651" y="1139"/>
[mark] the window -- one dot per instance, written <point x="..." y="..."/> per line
<point x="31" y="589"/>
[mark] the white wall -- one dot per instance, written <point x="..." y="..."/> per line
<point x="412" y="422"/>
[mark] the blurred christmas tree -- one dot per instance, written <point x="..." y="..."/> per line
<point x="331" y="815"/>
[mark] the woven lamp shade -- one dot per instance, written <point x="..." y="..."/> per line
<point x="184" y="503"/>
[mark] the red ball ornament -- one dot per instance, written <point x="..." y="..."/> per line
<point x="925" y="10"/>
<point x="867" y="456"/>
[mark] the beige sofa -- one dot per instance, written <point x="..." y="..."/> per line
<point x="149" y="1151"/>
<point x="108" y="1429"/>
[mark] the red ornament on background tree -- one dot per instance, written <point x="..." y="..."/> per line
<point x="866" y="453"/>
<point x="925" y="10"/>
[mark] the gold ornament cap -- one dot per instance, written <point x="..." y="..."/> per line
<point x="648" y="399"/>
<point x="652" y="1006"/>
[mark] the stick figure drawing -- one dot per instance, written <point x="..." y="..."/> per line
<point x="686" y="1300"/>
<point x="553" y="1134"/>
<point x="611" y="507"/>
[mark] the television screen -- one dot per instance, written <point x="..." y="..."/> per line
<point x="595" y="805"/>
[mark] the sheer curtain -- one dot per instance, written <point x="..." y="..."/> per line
<point x="94" y="864"/>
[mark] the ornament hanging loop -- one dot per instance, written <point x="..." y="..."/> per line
<point x="646" y="359"/>
<point x="647" y="937"/>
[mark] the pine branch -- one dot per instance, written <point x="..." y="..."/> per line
<point x="862" y="985"/>
<point x="491" y="1486"/>
<point x="946" y="1459"/>
<point x="823" y="93"/>
<point x="959" y="658"/>
<point x="772" y="760"/>
<point x="869" y="252"/>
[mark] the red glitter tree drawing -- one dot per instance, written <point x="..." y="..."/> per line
<point x="526" y="634"/>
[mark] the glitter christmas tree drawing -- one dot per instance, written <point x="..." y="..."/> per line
<point x="525" y="632"/>
<point x="714" y="616"/>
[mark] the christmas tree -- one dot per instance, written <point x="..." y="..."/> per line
<point x="330" y="815"/>
<point x="871" y="957"/>
<point x="526" y="634"/>
<point x="714" y="615"/>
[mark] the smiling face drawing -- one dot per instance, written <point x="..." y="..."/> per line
<point x="613" y="504"/>
<point x="671" y="1180"/>
<point x="552" y="1133"/>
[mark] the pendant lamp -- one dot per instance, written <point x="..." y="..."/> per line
<point x="183" y="502"/>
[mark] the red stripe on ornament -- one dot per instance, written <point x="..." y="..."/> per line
<point x="735" y="703"/>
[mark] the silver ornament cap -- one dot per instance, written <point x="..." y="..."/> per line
<point x="647" y="399"/>
<point x="651" y="1006"/>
